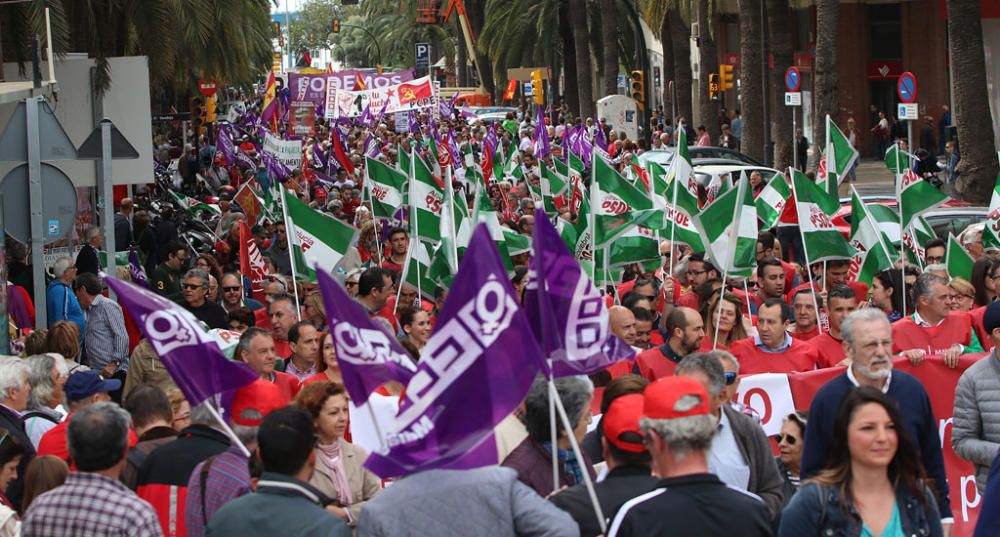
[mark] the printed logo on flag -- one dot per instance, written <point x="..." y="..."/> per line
<point x="366" y="346"/>
<point x="819" y="219"/>
<point x="171" y="329"/>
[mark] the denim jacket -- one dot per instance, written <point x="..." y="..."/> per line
<point x="820" y="510"/>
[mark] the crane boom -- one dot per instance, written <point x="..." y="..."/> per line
<point x="458" y="6"/>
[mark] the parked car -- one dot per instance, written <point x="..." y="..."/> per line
<point x="710" y="174"/>
<point x="699" y="155"/>
<point x="953" y="216"/>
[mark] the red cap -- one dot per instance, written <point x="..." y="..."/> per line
<point x="661" y="398"/>
<point x="623" y="417"/>
<point x="261" y="396"/>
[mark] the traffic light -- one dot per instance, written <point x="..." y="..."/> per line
<point x="277" y="28"/>
<point x="210" y="109"/>
<point x="726" y="77"/>
<point x="312" y="38"/>
<point x="198" y="113"/>
<point x="638" y="88"/>
<point x="537" y="89"/>
<point x="335" y="25"/>
<point x="713" y="87"/>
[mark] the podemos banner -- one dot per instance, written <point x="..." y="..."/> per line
<point x="313" y="88"/>
<point x="776" y="396"/>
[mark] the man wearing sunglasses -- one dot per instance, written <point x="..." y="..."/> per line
<point x="232" y="294"/>
<point x="195" y="289"/>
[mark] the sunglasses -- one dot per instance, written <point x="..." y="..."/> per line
<point x="791" y="440"/>
<point x="231" y="289"/>
<point x="191" y="286"/>
<point x="730" y="378"/>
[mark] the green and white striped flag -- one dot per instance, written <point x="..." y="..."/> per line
<point x="991" y="229"/>
<point x="729" y="230"/>
<point x="916" y="196"/>
<point x="195" y="207"/>
<point x="385" y="186"/>
<point x="820" y="239"/>
<point x="620" y="205"/>
<point x="552" y="185"/>
<point x="680" y="205"/>
<point x="839" y="157"/>
<point x="564" y="169"/>
<point x="512" y="165"/>
<point x="886" y="221"/>
<point x="772" y="200"/>
<point x="958" y="260"/>
<point x="317" y="239"/>
<point x="426" y="198"/>
<point x="915" y="237"/>
<point x="417" y="270"/>
<point x="637" y="245"/>
<point x="873" y="253"/>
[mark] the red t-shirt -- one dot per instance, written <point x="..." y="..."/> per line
<point x="805" y="336"/>
<point x="831" y="350"/>
<point x="653" y="364"/>
<point x="800" y="356"/>
<point x="956" y="328"/>
<point x="287" y="384"/>
<point x="54" y="442"/>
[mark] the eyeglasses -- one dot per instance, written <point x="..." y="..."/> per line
<point x="231" y="289"/>
<point x="931" y="260"/>
<point x="192" y="286"/>
<point x="791" y="440"/>
<point x="730" y="378"/>
<point x="696" y="272"/>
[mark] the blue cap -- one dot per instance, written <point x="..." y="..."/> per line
<point x="83" y="384"/>
<point x="991" y="318"/>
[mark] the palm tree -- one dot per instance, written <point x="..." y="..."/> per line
<point x="751" y="80"/>
<point x="781" y="49"/>
<point x="516" y="33"/>
<point x="570" y="92"/>
<point x="609" y="42"/>
<point x="581" y="44"/>
<point x="680" y="42"/>
<point x="978" y="166"/>
<point x="825" y="79"/>
<point x="709" y="64"/>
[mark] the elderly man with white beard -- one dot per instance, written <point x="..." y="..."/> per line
<point x="868" y="343"/>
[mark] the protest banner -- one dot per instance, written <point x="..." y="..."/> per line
<point x="775" y="396"/>
<point x="401" y="97"/>
<point x="302" y="118"/>
<point x="313" y="87"/>
<point x="287" y="152"/>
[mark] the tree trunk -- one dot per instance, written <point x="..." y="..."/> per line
<point x="668" y="67"/>
<point x="680" y="42"/>
<point x="781" y="50"/>
<point x="825" y="80"/>
<point x="475" y="9"/>
<point x="709" y="64"/>
<point x="570" y="92"/>
<point x="609" y="44"/>
<point x="584" y="76"/>
<point x="461" y="58"/>
<point x="978" y="164"/>
<point x="751" y="82"/>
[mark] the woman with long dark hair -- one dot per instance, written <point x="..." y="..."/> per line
<point x="873" y="482"/>
<point x="887" y="294"/>
<point x="983" y="271"/>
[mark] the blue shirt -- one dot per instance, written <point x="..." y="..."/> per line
<point x="61" y="305"/>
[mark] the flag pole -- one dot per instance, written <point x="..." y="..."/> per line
<point x="902" y="245"/>
<point x="210" y="405"/>
<point x="805" y="253"/>
<point x="291" y="251"/>
<point x="554" y="398"/>
<point x="718" y="304"/>
<point x="375" y="225"/>
<point x="552" y="426"/>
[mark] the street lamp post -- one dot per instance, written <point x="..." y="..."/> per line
<point x="378" y="49"/>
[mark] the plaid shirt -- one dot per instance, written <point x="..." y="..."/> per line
<point x="228" y="478"/>
<point x="90" y="504"/>
<point x="106" y="339"/>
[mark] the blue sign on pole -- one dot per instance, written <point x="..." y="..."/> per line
<point x="906" y="87"/>
<point x="423" y="55"/>
<point x="793" y="80"/>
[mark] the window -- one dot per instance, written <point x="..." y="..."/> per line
<point x="885" y="32"/>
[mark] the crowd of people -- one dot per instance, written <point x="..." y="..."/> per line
<point x="97" y="438"/>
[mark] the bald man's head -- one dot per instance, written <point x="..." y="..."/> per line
<point x="685" y="329"/>
<point x="622" y="322"/>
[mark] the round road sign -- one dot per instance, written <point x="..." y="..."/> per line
<point x="793" y="80"/>
<point x="206" y="87"/>
<point x="906" y="87"/>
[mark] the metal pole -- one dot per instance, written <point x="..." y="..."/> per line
<point x="795" y="150"/>
<point x="107" y="204"/>
<point x="909" y="135"/>
<point x="48" y="44"/>
<point x="35" y="206"/>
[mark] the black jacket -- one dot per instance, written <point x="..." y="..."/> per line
<point x="621" y="485"/>
<point x="87" y="261"/>
<point x="13" y="424"/>
<point x="210" y="313"/>
<point x="697" y="505"/>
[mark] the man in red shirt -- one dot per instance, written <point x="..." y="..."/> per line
<point x="836" y="274"/>
<point x="83" y="388"/>
<point x="281" y="312"/>
<point x="804" y="309"/>
<point x="830" y="344"/>
<point x="934" y="328"/>
<point x="399" y="245"/>
<point x="699" y="271"/>
<point x="374" y="288"/>
<point x="686" y="330"/>
<point x="771" y="279"/>
<point x="256" y="349"/>
<point x="773" y="350"/>
<point x="765" y="250"/>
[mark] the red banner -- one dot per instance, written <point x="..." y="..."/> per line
<point x="768" y="395"/>
<point x="249" y="202"/>
<point x="252" y="264"/>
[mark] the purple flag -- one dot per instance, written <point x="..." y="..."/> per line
<point x="567" y="312"/>
<point x="135" y="269"/>
<point x="191" y="356"/>
<point x="413" y="122"/>
<point x="320" y="156"/>
<point x="371" y="147"/>
<point x="474" y="371"/>
<point x="368" y="355"/>
<point x="599" y="139"/>
<point x="366" y="118"/>
<point x="542" y="145"/>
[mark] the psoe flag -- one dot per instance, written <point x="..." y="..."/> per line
<point x="474" y="371"/>
<point x="770" y="396"/>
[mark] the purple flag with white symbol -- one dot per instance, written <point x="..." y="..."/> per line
<point x="368" y="355"/>
<point x="135" y="270"/>
<point x="191" y="356"/>
<point x="371" y="147"/>
<point x="542" y="145"/>
<point x="566" y="311"/>
<point x="320" y="156"/>
<point x="599" y="139"/>
<point x="474" y="371"/>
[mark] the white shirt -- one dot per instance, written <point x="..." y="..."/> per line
<point x="725" y="459"/>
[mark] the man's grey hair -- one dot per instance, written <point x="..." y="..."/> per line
<point x="13" y="371"/>
<point x="97" y="436"/>
<point x="924" y="286"/>
<point x="707" y="363"/>
<point x="575" y="394"/>
<point x="91" y="232"/>
<point x="40" y="377"/>
<point x="684" y="435"/>
<point x="936" y="267"/>
<point x="863" y="315"/>
<point x="199" y="274"/>
<point x="201" y="414"/>
<point x="61" y="266"/>
<point x="728" y="357"/>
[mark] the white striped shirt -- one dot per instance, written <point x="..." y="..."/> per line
<point x="106" y="339"/>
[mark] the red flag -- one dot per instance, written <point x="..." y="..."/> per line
<point x="359" y="83"/>
<point x="252" y="264"/>
<point x="341" y="155"/>
<point x="511" y="88"/>
<point x="487" y="164"/>
<point x="249" y="202"/>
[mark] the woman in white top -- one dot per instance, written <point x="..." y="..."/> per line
<point x="47" y="374"/>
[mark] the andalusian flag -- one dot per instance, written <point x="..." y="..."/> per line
<point x="915" y="195"/>
<point x="552" y="186"/>
<point x="873" y="253"/>
<point x="991" y="231"/>
<point x="512" y="164"/>
<point x="385" y="185"/>
<point x="417" y="270"/>
<point x="915" y="236"/>
<point x="637" y="245"/>
<point x="564" y="169"/>
<point x="619" y="205"/>
<point x="838" y="158"/>
<point x="958" y="260"/>
<point x="316" y="239"/>
<point x="194" y="206"/>
<point x="728" y="228"/>
<point x="820" y="239"/>
<point x="681" y="205"/>
<point x="426" y="197"/>
<point x="772" y="200"/>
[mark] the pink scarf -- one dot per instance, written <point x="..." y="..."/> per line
<point x="330" y="456"/>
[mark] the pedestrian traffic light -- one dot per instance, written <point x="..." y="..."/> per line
<point x="335" y="25"/>
<point x="537" y="89"/>
<point x="638" y="88"/>
<point x="713" y="87"/>
<point x="726" y="77"/>
<point x="210" y="103"/>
